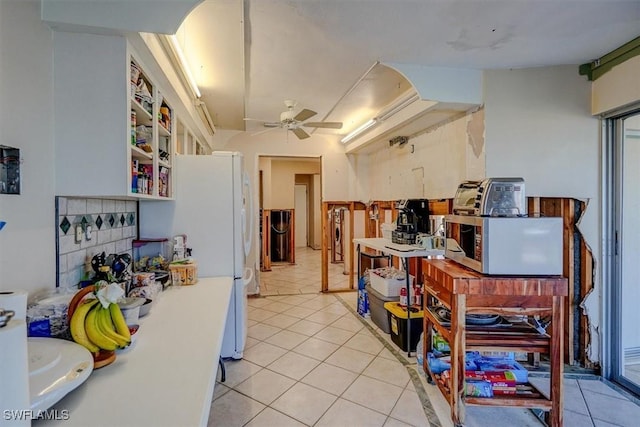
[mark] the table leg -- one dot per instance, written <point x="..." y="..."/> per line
<point x="359" y="266"/>
<point x="427" y="346"/>
<point x="557" y="362"/>
<point x="457" y="346"/>
<point x="405" y="265"/>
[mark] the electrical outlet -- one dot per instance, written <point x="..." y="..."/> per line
<point x="87" y="232"/>
<point x="79" y="233"/>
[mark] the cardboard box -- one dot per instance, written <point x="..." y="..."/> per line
<point x="500" y="364"/>
<point x="502" y="382"/>
<point x="183" y="274"/>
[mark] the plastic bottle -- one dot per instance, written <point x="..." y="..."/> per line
<point x="403" y="297"/>
<point x="417" y="292"/>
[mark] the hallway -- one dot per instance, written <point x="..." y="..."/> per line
<point x="311" y="360"/>
<point x="303" y="277"/>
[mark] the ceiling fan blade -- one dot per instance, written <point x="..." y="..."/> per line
<point x="300" y="133"/>
<point x="304" y="115"/>
<point x="328" y="125"/>
<point x="272" y="124"/>
<point x="253" y="120"/>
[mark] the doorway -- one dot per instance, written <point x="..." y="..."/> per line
<point x="623" y="273"/>
<point x="289" y="183"/>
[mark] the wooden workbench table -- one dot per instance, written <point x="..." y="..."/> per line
<point x="464" y="291"/>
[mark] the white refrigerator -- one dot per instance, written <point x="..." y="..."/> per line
<point x="209" y="208"/>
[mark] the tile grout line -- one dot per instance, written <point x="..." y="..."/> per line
<point x="300" y="380"/>
<point x="341" y="395"/>
<point x="428" y="409"/>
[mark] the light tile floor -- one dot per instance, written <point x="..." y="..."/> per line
<point x="311" y="360"/>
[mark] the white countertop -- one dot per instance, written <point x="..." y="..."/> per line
<point x="167" y="376"/>
<point x="401" y="251"/>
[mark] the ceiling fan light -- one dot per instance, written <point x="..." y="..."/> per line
<point x="360" y="129"/>
<point x="286" y="115"/>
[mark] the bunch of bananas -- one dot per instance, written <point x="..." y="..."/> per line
<point x="97" y="328"/>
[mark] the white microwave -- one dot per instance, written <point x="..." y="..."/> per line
<point x="505" y="245"/>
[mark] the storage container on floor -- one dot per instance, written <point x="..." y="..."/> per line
<point x="389" y="286"/>
<point x="376" y="307"/>
<point x="397" y="316"/>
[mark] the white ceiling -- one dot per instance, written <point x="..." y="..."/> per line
<point x="249" y="56"/>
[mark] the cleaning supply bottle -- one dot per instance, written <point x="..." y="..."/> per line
<point x="403" y="297"/>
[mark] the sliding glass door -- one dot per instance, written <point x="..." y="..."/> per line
<point x="624" y="246"/>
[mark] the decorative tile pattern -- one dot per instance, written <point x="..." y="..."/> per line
<point x="65" y="225"/>
<point x="73" y="256"/>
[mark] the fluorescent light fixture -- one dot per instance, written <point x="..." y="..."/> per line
<point x="184" y="65"/>
<point x="402" y="103"/>
<point x="358" y="131"/>
<point x="207" y="117"/>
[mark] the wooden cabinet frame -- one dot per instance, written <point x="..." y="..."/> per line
<point x="465" y="291"/>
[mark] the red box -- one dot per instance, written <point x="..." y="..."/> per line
<point x="502" y="382"/>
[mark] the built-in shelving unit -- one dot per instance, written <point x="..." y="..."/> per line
<point x="114" y="123"/>
<point x="151" y="140"/>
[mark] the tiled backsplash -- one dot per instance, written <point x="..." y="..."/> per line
<point x="113" y="227"/>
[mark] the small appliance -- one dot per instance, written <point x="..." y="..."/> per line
<point x="413" y="219"/>
<point x="505" y="245"/>
<point x="491" y="197"/>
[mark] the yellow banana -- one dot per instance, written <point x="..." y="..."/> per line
<point x="76" y="325"/>
<point x="95" y="334"/>
<point x="119" y="322"/>
<point x="106" y="327"/>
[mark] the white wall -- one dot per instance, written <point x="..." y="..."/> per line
<point x="283" y="177"/>
<point x="441" y="159"/>
<point x="27" y="244"/>
<point x="539" y="126"/>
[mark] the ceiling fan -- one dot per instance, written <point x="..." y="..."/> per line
<point x="294" y="122"/>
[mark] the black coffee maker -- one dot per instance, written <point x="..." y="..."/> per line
<point x="413" y="219"/>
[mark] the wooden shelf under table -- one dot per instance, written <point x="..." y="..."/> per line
<point x="465" y="291"/>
